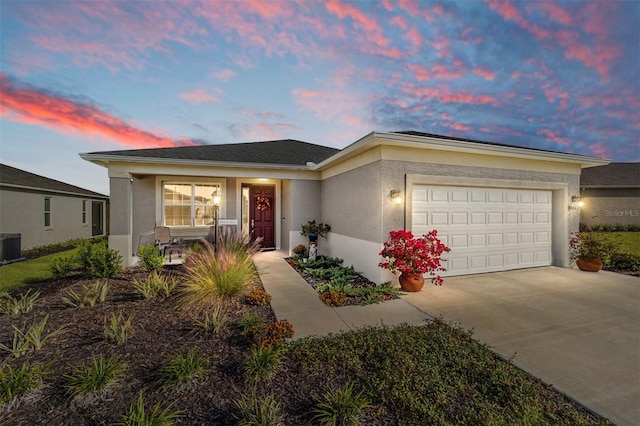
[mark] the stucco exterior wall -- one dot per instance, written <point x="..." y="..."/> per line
<point x="352" y="203"/>
<point x="301" y="201"/>
<point x="610" y="206"/>
<point x="357" y="205"/>
<point x="144" y="206"/>
<point x="22" y="212"/>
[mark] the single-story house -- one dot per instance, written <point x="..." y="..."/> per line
<point x="46" y="211"/>
<point x="611" y="195"/>
<point x="498" y="207"/>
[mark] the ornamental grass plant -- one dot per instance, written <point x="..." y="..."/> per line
<point x="223" y="272"/>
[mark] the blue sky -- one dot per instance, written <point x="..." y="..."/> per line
<point x="103" y="75"/>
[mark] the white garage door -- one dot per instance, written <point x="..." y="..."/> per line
<point x="487" y="229"/>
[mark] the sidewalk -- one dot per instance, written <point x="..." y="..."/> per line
<point x="295" y="300"/>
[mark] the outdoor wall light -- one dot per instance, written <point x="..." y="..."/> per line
<point x="396" y="196"/>
<point x="576" y="202"/>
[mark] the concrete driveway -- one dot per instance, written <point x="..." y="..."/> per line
<point x="579" y="331"/>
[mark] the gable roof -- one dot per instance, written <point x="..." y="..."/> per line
<point x="16" y="178"/>
<point x="613" y="175"/>
<point x="286" y="152"/>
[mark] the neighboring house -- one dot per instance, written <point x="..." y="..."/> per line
<point x="498" y="207"/>
<point x="611" y="195"/>
<point x="45" y="211"/>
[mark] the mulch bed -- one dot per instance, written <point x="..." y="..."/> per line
<point x="161" y="331"/>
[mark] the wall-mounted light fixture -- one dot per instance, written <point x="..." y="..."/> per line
<point x="576" y="202"/>
<point x="396" y="196"/>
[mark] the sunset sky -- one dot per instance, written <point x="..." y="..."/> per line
<point x="85" y="76"/>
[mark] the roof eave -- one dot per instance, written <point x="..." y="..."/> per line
<point x="374" y="139"/>
<point x="54" y="191"/>
<point x="104" y="160"/>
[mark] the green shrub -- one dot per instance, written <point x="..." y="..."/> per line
<point x="155" y="285"/>
<point x="150" y="258"/>
<point x="212" y="275"/>
<point x="62" y="265"/>
<point x="104" y="262"/>
<point x="196" y="246"/>
<point x="261" y="363"/>
<point x="340" y="407"/>
<point x="137" y="416"/>
<point x="84" y="253"/>
<point x="256" y="411"/>
<point x="15" y="384"/>
<point x="13" y="305"/>
<point x="183" y="369"/>
<point x="624" y="262"/>
<point x="95" y="376"/>
<point x="117" y="329"/>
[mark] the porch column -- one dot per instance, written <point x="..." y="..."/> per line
<point x="121" y="214"/>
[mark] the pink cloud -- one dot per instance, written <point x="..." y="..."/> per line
<point x="555" y="12"/>
<point x="553" y="136"/>
<point x="509" y="12"/>
<point x="600" y="150"/>
<point x="369" y="25"/>
<point x="29" y="105"/>
<point x="399" y="22"/>
<point x="421" y="73"/>
<point x="415" y="37"/>
<point x="484" y="73"/>
<point x="459" y="126"/>
<point x="443" y="94"/>
<point x="199" y="96"/>
<point x="224" y="75"/>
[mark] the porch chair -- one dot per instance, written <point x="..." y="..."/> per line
<point x="162" y="235"/>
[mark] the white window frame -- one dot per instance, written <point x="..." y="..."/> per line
<point x="47" y="213"/>
<point x="192" y="204"/>
<point x="84" y="212"/>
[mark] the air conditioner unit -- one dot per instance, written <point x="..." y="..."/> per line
<point x="10" y="245"/>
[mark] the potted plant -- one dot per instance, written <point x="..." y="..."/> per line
<point x="313" y="230"/>
<point x="414" y="257"/>
<point x="588" y="251"/>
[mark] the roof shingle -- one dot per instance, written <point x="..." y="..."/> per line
<point x="10" y="176"/>
<point x="283" y="152"/>
<point x="612" y="175"/>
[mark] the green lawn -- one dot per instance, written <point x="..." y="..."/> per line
<point x="17" y="274"/>
<point x="629" y="241"/>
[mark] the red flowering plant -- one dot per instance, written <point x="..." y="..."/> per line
<point x="410" y="256"/>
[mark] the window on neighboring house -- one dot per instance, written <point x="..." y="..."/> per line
<point x="188" y="204"/>
<point x="47" y="211"/>
<point x="84" y="212"/>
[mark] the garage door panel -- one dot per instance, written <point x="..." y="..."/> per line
<point x="478" y="218"/>
<point x="488" y="229"/>
<point x="440" y="219"/>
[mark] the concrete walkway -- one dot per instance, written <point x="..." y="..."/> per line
<point x="295" y="300"/>
<point x="578" y="331"/>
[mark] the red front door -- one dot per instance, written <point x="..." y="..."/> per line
<point x="262" y="212"/>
